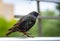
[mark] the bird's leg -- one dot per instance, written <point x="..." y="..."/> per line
<point x="27" y="34"/>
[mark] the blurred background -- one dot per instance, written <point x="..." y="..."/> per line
<point x="12" y="10"/>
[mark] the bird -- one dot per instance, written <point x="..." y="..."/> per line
<point x="24" y="24"/>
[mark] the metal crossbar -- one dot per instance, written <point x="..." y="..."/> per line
<point x="53" y="1"/>
<point x="43" y="17"/>
<point x="49" y="17"/>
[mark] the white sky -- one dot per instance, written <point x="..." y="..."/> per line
<point x="24" y="7"/>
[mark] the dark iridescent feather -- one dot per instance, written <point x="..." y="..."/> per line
<point x="25" y="23"/>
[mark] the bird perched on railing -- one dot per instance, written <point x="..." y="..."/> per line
<point x="24" y="24"/>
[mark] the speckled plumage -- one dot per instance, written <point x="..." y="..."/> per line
<point x="24" y="24"/>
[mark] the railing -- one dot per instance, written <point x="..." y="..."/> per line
<point x="43" y="17"/>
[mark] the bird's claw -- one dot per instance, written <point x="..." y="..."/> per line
<point x="31" y="36"/>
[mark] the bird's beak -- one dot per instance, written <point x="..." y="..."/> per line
<point x="38" y="14"/>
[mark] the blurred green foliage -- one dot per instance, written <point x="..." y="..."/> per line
<point x="51" y="27"/>
<point x="5" y="25"/>
<point x="48" y="13"/>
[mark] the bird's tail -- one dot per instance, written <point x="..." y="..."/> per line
<point x="11" y="30"/>
<point x="8" y="33"/>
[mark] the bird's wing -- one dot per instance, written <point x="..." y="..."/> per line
<point x="21" y="20"/>
<point x="24" y="18"/>
<point x="28" y="22"/>
<point x="17" y="24"/>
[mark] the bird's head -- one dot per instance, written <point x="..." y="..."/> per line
<point x="34" y="13"/>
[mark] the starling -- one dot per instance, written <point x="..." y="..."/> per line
<point x="24" y="24"/>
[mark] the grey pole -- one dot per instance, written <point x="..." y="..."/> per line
<point x="39" y="20"/>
